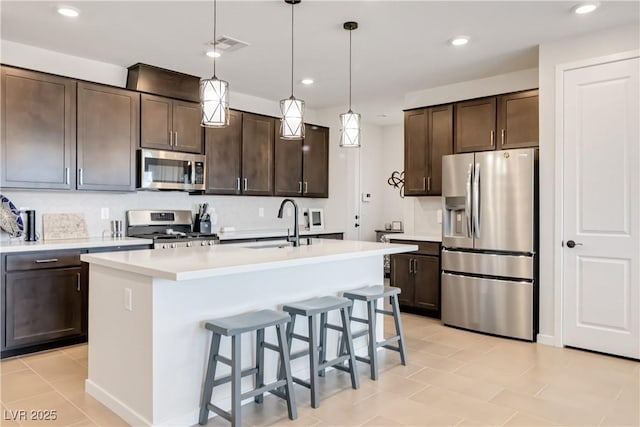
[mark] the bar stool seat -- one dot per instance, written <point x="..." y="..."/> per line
<point x="234" y="327"/>
<point x="370" y="295"/>
<point x="317" y="350"/>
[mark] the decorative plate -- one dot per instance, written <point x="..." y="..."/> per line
<point x="10" y="220"/>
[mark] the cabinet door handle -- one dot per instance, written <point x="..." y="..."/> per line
<point x="300" y="187"/>
<point x="424" y="183"/>
<point x="175" y="141"/>
<point x="66" y="175"/>
<point x="238" y="183"/>
<point x="415" y="266"/>
<point x="306" y="187"/>
<point x="493" y="137"/>
<point x="80" y="177"/>
<point x="428" y="183"/>
<point x="44" y="261"/>
<point x="502" y="137"/>
<point x="171" y="138"/>
<point x="410" y="265"/>
<point x="246" y="184"/>
<point x="78" y="282"/>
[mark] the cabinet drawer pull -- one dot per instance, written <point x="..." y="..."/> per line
<point x="44" y="261"/>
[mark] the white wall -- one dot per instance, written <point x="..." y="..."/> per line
<point x="241" y="212"/>
<point x="550" y="55"/>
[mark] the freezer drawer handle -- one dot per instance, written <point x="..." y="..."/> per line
<point x="571" y="244"/>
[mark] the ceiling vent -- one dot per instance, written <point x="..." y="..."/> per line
<point x="226" y="44"/>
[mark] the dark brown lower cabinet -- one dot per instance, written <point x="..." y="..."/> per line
<point x="418" y="275"/>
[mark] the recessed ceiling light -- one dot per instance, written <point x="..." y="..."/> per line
<point x="459" y="40"/>
<point x="213" y="54"/>
<point x="583" y="8"/>
<point x="68" y="11"/>
<point x="306" y="81"/>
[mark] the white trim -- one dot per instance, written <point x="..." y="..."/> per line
<point x="546" y="340"/>
<point x="558" y="339"/>
<point x="114" y="404"/>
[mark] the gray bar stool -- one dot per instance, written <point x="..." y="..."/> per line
<point x="234" y="327"/>
<point x="370" y="295"/>
<point x="317" y="350"/>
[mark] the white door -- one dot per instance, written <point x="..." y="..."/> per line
<point x="601" y="155"/>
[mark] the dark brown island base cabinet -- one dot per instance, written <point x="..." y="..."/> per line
<point x="240" y="157"/>
<point x="428" y="135"/>
<point x="170" y="124"/>
<point x="418" y="275"/>
<point x="61" y="134"/>
<point x="302" y="167"/>
<point x="38" y="130"/>
<point x="497" y="122"/>
<point x="108" y="124"/>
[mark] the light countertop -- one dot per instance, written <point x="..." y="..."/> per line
<point x="13" y="246"/>
<point x="416" y="237"/>
<point x="219" y="260"/>
<point x="260" y="234"/>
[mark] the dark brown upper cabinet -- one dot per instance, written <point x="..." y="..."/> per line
<point x="302" y="167"/>
<point x="518" y="120"/>
<point x="428" y="137"/>
<point x="223" y="148"/>
<point x="170" y="124"/>
<point x="475" y="125"/>
<point x="497" y="122"/>
<point x="108" y="135"/>
<point x="258" y="134"/>
<point x="38" y="130"/>
<point x="240" y="157"/>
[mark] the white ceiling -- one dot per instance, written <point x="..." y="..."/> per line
<point x="400" y="47"/>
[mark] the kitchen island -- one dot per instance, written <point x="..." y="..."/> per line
<point x="147" y="347"/>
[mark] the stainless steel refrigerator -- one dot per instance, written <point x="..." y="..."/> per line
<point x="490" y="240"/>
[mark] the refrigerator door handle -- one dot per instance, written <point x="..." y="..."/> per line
<point x="476" y="200"/>
<point x="467" y="200"/>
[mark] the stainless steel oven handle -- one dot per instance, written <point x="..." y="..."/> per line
<point x="467" y="199"/>
<point x="476" y="201"/>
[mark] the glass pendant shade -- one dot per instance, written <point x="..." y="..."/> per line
<point x="214" y="99"/>
<point x="292" y="123"/>
<point x="350" y="129"/>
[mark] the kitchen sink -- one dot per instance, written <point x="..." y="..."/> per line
<point x="270" y="245"/>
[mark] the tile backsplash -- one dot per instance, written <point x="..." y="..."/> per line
<point x="240" y="212"/>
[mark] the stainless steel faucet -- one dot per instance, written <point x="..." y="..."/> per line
<point x="296" y="226"/>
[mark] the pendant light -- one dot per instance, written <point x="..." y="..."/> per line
<point x="350" y="121"/>
<point x="214" y="93"/>
<point x="292" y="122"/>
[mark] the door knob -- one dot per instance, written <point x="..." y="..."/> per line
<point x="571" y="244"/>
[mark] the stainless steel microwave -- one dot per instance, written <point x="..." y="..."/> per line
<point x="168" y="170"/>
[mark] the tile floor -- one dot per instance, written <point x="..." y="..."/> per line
<point x="454" y="378"/>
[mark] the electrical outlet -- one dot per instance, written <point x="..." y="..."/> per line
<point x="260" y="212"/>
<point x="128" y="303"/>
<point x="104" y="213"/>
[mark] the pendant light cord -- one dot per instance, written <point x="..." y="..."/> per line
<point x="292" y="5"/>
<point x="350" y="31"/>
<point x="214" y="38"/>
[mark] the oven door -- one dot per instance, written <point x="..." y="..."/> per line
<point x="167" y="170"/>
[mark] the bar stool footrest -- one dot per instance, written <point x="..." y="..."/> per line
<point x="221" y="412"/>
<point x="333" y="362"/>
<point x="388" y="341"/>
<point x="263" y="389"/>
<point x="224" y="380"/>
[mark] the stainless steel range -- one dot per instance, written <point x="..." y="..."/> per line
<point x="167" y="229"/>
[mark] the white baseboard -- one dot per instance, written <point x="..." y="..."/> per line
<point x="108" y="400"/>
<point x="546" y="339"/>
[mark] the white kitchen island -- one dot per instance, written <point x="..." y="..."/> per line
<point x="147" y="346"/>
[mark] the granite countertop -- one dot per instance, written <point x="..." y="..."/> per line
<point x="210" y="261"/>
<point x="13" y="246"/>
<point x="416" y="237"/>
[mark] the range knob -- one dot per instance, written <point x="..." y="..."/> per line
<point x="203" y="243"/>
<point x="189" y="244"/>
<point x="174" y="245"/>
<point x="164" y="246"/>
<point x="211" y="242"/>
